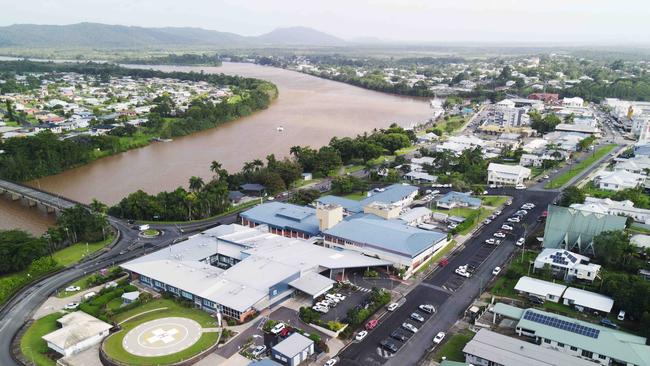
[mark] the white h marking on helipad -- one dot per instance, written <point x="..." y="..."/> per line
<point x="165" y="336"/>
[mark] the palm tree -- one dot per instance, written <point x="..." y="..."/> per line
<point x="295" y="150"/>
<point x="259" y="164"/>
<point x="248" y="167"/>
<point x="97" y="206"/>
<point x="196" y="183"/>
<point x="215" y="167"/>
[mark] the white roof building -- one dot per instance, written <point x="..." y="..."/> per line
<point x="568" y="264"/>
<point x="638" y="164"/>
<point x="543" y="289"/>
<point x="79" y="331"/>
<point x="423" y="160"/>
<point x="416" y="215"/>
<point x="611" y="207"/>
<point x="507" y="174"/>
<point x="618" y="180"/>
<point x="586" y="299"/>
<point x="573" y="102"/>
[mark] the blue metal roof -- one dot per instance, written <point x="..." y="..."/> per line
<point x="454" y="196"/>
<point x="388" y="235"/>
<point x="391" y="194"/>
<point x="284" y="216"/>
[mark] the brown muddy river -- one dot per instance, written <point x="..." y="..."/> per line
<point x="311" y="111"/>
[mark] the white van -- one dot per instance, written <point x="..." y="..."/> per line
<point x="89" y="295"/>
<point x="621" y="315"/>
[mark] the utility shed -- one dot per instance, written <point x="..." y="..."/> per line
<point x="588" y="300"/>
<point x="293" y="350"/>
<point x="543" y="289"/>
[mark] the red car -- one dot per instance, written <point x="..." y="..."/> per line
<point x="443" y="262"/>
<point x="285" y="332"/>
<point x="371" y="324"/>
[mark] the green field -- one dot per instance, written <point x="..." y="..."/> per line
<point x="32" y="346"/>
<point x="494" y="201"/>
<point x="452" y="349"/>
<point x="76" y="252"/>
<point x="113" y="344"/>
<point x="565" y="177"/>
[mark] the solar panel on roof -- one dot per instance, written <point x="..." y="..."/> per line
<point x="562" y="324"/>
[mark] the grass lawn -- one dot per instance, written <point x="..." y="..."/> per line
<point x="381" y="159"/>
<point x="505" y="285"/>
<point x="32" y="346"/>
<point x="494" y="201"/>
<point x="302" y="182"/>
<point x="438" y="255"/>
<point x="76" y="252"/>
<point x="563" y="178"/>
<point x="638" y="230"/>
<point x="406" y="150"/>
<point x="113" y="344"/>
<point x="357" y="196"/>
<point x="453" y="123"/>
<point x="151" y="232"/>
<point x="352" y="168"/>
<point x="452" y="349"/>
<point x="467" y="212"/>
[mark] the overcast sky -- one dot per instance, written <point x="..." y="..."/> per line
<point x="566" y="21"/>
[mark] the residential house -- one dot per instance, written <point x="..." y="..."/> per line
<point x="79" y="331"/>
<point x="455" y="199"/>
<point x="586" y="300"/>
<point x="567" y="265"/>
<point x="611" y="207"/>
<point x="618" y="180"/>
<point x="507" y="174"/>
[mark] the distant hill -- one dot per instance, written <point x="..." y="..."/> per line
<point x="299" y="36"/>
<point x="118" y="36"/>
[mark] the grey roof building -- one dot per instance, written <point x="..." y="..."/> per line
<point x="490" y="348"/>
<point x="283" y="218"/>
<point x="293" y="350"/>
<point x="400" y="194"/>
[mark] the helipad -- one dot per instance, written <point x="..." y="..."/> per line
<point x="162" y="337"/>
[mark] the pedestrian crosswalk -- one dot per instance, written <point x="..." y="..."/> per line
<point x="363" y="289"/>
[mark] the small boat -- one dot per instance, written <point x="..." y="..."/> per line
<point x="159" y="139"/>
<point x="280" y="129"/>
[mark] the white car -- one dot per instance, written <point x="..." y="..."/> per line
<point x="546" y="177"/>
<point x="487" y="221"/>
<point x="340" y="297"/>
<point x="392" y="306"/>
<point x="331" y="362"/>
<point x="71" y="306"/>
<point x="321" y="309"/>
<point x="72" y="288"/>
<point x="332" y="298"/>
<point x="499" y="234"/>
<point x="496" y="270"/>
<point x="258" y="351"/>
<point x="278" y="328"/>
<point x="418" y="317"/>
<point x="528" y="206"/>
<point x="410" y="327"/>
<point x="514" y="219"/>
<point x="111" y="284"/>
<point x="490" y="241"/>
<point x="507" y="227"/>
<point x="520" y="186"/>
<point x="521" y="213"/>
<point x="497" y="212"/>
<point x="520" y="242"/>
<point x="427" y="308"/>
<point x="361" y="335"/>
<point x="462" y="272"/>
<point x="439" y="337"/>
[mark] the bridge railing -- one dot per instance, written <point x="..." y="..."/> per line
<point x="39" y="190"/>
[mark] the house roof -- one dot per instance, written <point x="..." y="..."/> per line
<point x="589" y="299"/>
<point x="252" y="187"/>
<point x="387" y="235"/>
<point x="508" y="169"/>
<point x="132" y="296"/>
<point x="77" y="326"/>
<point x="293" y="345"/>
<point x="415" y="213"/>
<point x="509" y="351"/>
<point x="539" y="287"/>
<point x="453" y="196"/>
<point x="391" y="194"/>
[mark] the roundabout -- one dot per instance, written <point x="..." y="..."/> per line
<point x="162" y="337"/>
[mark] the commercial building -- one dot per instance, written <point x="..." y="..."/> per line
<point x="400" y="195"/>
<point x="577" y="338"/>
<point x="455" y="199"/>
<point x="567" y="265"/>
<point x="237" y="271"/>
<point x="542" y="289"/>
<point x="572" y="229"/>
<point x="574" y="102"/>
<point x="283" y="219"/>
<point x="79" y="331"/>
<point x="489" y="348"/>
<point x="611" y="207"/>
<point x="507" y="174"/>
<point x="294" y="350"/>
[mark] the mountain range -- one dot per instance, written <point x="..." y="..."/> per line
<point x="99" y="35"/>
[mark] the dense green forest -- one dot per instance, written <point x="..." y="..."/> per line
<point x="45" y="154"/>
<point x="175" y="59"/>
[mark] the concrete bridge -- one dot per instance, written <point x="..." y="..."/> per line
<point x="34" y="196"/>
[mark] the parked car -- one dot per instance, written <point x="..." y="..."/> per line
<point x="111" y="284"/>
<point x="528" y="206"/>
<point x="487" y="221"/>
<point x="339" y="296"/>
<point x="72" y="288"/>
<point x="320" y="309"/>
<point x="389" y="345"/>
<point x="499" y="234"/>
<point x="536" y="300"/>
<point x="521" y="213"/>
<point x="608" y="323"/>
<point x="520" y="242"/>
<point x="287" y="331"/>
<point x="371" y="324"/>
<point x="621" y="315"/>
<point x="361" y="335"/>
<point x="496" y="270"/>
<point x="397" y="334"/>
<point x="71" y="306"/>
<point x="507" y="227"/>
<point x="514" y="219"/>
<point x="392" y="306"/>
<point x="443" y="262"/>
<point x="427" y="308"/>
<point x="497" y="212"/>
<point x="417" y="317"/>
<point x="520" y="186"/>
<point x="278" y="328"/>
<point x="462" y="272"/>
<point x="331" y="362"/>
<point x="332" y="298"/>
<point x="439" y="337"/>
<point x="410" y="327"/>
<point x="258" y="351"/>
<point x="89" y="295"/>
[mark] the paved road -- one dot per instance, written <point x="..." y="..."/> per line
<point x="450" y="293"/>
